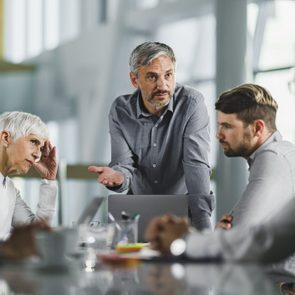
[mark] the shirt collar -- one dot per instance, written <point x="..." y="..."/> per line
<point x="276" y="136"/>
<point x="142" y="112"/>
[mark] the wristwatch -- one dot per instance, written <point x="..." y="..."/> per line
<point x="178" y="247"/>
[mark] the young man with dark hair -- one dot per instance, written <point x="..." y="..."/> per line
<point x="246" y="128"/>
<point x="246" y="118"/>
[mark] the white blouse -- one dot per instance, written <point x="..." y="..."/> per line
<point x="13" y="209"/>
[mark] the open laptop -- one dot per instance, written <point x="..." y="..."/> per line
<point x="148" y="206"/>
<point x="89" y="212"/>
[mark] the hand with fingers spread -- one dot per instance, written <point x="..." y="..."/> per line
<point x="225" y="222"/>
<point x="47" y="166"/>
<point x="163" y="230"/>
<point x="107" y="176"/>
<point x="21" y="243"/>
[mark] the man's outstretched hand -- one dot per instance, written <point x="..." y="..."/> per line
<point x="107" y="176"/>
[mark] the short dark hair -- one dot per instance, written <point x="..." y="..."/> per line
<point x="249" y="102"/>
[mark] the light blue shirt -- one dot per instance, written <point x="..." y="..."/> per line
<point x="14" y="211"/>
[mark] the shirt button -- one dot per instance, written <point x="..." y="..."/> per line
<point x="156" y="181"/>
<point x="156" y="125"/>
<point x="154" y="165"/>
<point x="154" y="144"/>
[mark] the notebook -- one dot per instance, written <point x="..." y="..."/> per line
<point x="148" y="206"/>
<point x="90" y="210"/>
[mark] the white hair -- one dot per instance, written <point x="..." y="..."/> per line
<point x="20" y="124"/>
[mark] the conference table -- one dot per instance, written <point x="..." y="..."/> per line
<point x="152" y="277"/>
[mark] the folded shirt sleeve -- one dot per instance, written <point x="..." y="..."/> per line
<point x="45" y="208"/>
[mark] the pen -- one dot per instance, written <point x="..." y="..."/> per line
<point x="112" y="218"/>
<point x="135" y="216"/>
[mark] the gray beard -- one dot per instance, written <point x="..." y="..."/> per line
<point x="158" y="105"/>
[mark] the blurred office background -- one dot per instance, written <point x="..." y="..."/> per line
<point x="67" y="60"/>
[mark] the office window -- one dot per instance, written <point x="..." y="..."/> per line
<point x="278" y="56"/>
<point x="33" y="13"/>
<point x="68" y="24"/>
<point x="195" y="54"/>
<point x="15" y="30"/>
<point x="32" y="26"/>
<point x="252" y="17"/>
<point x="278" y="48"/>
<point x="277" y="83"/>
<point x="51" y="23"/>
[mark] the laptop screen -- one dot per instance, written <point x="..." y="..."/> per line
<point x="89" y="212"/>
<point x="148" y="206"/>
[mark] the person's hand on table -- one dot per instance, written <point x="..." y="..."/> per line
<point x="225" y="222"/>
<point x="21" y="243"/>
<point x="107" y="176"/>
<point x="163" y="230"/>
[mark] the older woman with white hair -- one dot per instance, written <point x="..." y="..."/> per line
<point x="24" y="144"/>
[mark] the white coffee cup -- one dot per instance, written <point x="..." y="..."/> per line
<point x="53" y="247"/>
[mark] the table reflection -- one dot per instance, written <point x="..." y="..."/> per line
<point x="145" y="278"/>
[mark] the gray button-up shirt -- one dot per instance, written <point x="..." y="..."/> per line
<point x="264" y="216"/>
<point x="271" y="182"/>
<point x="166" y="154"/>
<point x="269" y="241"/>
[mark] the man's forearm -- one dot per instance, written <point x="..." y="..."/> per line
<point x="201" y="206"/>
<point x="202" y="222"/>
<point x="127" y="180"/>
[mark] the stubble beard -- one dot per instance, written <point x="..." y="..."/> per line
<point x="242" y="150"/>
<point x="158" y="105"/>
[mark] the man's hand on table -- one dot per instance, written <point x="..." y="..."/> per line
<point x="225" y="222"/>
<point x="163" y="230"/>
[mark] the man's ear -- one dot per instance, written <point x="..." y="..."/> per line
<point x="133" y="79"/>
<point x="259" y="127"/>
<point x="5" y="138"/>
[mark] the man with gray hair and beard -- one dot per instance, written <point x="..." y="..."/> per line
<point x="160" y="135"/>
<point x="24" y="144"/>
